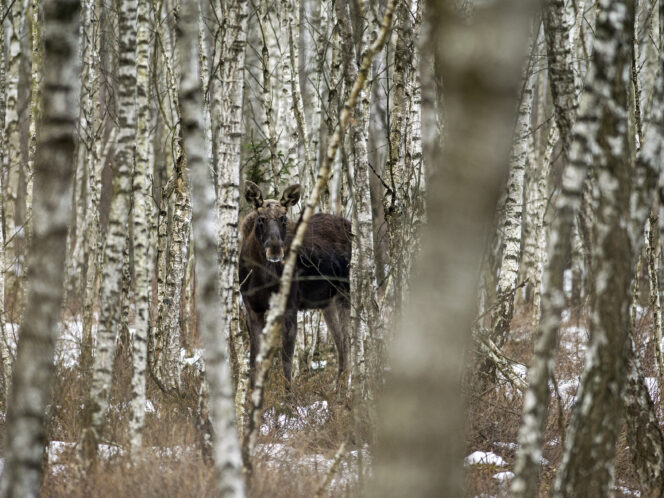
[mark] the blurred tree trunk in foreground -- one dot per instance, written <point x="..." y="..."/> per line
<point x="52" y="212"/>
<point x="421" y="439"/>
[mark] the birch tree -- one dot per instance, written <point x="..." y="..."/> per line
<point x="117" y="230"/>
<point x="93" y="143"/>
<point x="419" y="451"/>
<point x="228" y="108"/>
<point x="15" y="20"/>
<point x="168" y="321"/>
<point x="226" y="449"/>
<point x="4" y="347"/>
<point x="141" y="191"/>
<point x="512" y="217"/>
<point x="587" y="465"/>
<point x="53" y="171"/>
<point x="364" y="335"/>
<point x="578" y="156"/>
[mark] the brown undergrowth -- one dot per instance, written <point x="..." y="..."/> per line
<point x="494" y="414"/>
<point x="302" y="430"/>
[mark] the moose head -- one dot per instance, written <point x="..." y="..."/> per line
<point x="271" y="219"/>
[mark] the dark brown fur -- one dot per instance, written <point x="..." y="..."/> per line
<point x="321" y="274"/>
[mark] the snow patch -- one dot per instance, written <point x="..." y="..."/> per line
<point x="149" y="407"/>
<point x="317" y="412"/>
<point x="318" y="365"/>
<point x="485" y="458"/>
<point x="504" y="476"/>
<point x="653" y="388"/>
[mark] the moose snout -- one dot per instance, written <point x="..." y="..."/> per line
<point x="274" y="253"/>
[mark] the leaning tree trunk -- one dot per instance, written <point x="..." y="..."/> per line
<point x="512" y="217"/>
<point x="226" y="449"/>
<point x="116" y="231"/>
<point x="419" y="452"/>
<point x="53" y="171"/>
<point x="587" y="465"/>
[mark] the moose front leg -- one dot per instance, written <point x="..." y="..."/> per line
<point x="289" y="335"/>
<point x="255" y="325"/>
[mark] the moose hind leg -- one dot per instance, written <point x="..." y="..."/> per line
<point x="336" y="318"/>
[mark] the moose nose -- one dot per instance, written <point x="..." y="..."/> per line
<point x="274" y="253"/>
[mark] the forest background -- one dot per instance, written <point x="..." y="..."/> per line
<point x="501" y="166"/>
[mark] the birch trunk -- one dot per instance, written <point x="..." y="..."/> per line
<point x="53" y="170"/>
<point x="93" y="145"/>
<point x="563" y="81"/>
<point x="226" y="449"/>
<point x="397" y="202"/>
<point x="116" y="238"/>
<point x="268" y="50"/>
<point x="35" y="113"/>
<point x="15" y="18"/>
<point x="333" y="103"/>
<point x="286" y="112"/>
<point x="419" y="452"/>
<point x="552" y="300"/>
<point x="142" y="264"/>
<point x="366" y="341"/>
<point x="587" y="465"/>
<point x="511" y="224"/>
<point x="228" y="106"/>
<point x="5" y="355"/>
<point x="168" y="342"/>
<point x="414" y="164"/>
<point x="655" y="298"/>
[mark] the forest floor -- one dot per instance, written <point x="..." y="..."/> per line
<point x="302" y="430"/>
<point x="299" y="437"/>
<point x="495" y="414"/>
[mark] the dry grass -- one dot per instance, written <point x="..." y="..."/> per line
<point x="301" y="433"/>
<point x="494" y="415"/>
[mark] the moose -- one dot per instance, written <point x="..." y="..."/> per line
<point x="321" y="273"/>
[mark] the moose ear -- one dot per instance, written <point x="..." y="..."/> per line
<point x="291" y="195"/>
<point x="253" y="194"/>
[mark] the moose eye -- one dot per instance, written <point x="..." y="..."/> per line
<point x="284" y="220"/>
<point x="260" y="221"/>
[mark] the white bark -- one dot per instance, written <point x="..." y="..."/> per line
<point x="116" y="231"/>
<point x="363" y="296"/>
<point x="14" y="22"/>
<point x="512" y="217"/>
<point x="35" y="112"/>
<point x="587" y="464"/>
<point x="226" y="449"/>
<point x="142" y="264"/>
<point x="4" y="350"/>
<point x="228" y="106"/>
<point x="167" y="356"/>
